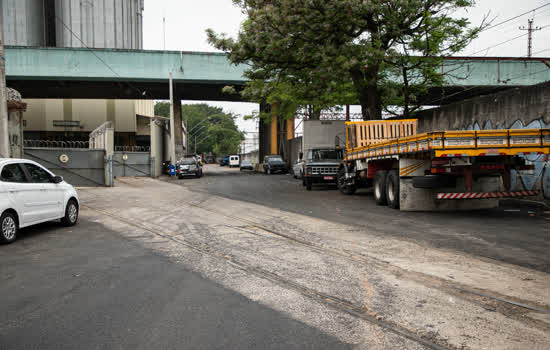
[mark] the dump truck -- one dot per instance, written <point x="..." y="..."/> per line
<point x="440" y="170"/>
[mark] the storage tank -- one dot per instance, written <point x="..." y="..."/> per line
<point x="23" y="22"/>
<point x="101" y="24"/>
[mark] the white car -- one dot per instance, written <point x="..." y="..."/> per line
<point x="30" y="194"/>
<point x="298" y="169"/>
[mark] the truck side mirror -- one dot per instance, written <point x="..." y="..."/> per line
<point x="301" y="155"/>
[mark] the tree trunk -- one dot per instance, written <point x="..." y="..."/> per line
<point x="366" y="85"/>
<point x="313" y="113"/>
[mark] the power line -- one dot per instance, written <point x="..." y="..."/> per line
<point x="505" y="42"/>
<point x="535" y="53"/>
<point x="97" y="56"/>
<point x="499" y="44"/>
<point x="515" y="17"/>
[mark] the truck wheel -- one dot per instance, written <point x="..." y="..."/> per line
<point x="392" y="189"/>
<point x="345" y="189"/>
<point x="308" y="185"/>
<point x="380" y="187"/>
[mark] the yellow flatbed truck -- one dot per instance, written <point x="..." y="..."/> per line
<point x="443" y="170"/>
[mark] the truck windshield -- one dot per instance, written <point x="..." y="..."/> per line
<point x="321" y="154"/>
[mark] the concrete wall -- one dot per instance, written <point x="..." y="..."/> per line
<point x="496" y="111"/>
<point x="321" y="133"/>
<point x="253" y="157"/>
<point x="15" y="132"/>
<point x="521" y="108"/>
<point x="157" y="130"/>
<point x="294" y="148"/>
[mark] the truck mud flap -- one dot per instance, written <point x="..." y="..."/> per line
<point x="434" y="181"/>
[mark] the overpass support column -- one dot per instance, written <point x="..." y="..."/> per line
<point x="178" y="129"/>
<point x="289" y="128"/>
<point x="273" y="134"/>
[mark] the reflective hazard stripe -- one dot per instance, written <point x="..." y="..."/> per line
<point x="484" y="195"/>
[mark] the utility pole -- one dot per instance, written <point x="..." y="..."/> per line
<point x="4" y="128"/>
<point x="172" y="126"/>
<point x="195" y="144"/>
<point x="530" y="31"/>
<point x="164" y="32"/>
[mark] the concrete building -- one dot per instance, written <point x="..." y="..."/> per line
<point x="116" y="24"/>
<point x="54" y="119"/>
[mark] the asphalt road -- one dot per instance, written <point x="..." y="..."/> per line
<point x="87" y="287"/>
<point x="514" y="234"/>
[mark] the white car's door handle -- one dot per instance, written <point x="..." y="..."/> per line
<point x="12" y="191"/>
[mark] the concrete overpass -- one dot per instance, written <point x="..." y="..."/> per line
<point x="108" y="73"/>
<point x="139" y="74"/>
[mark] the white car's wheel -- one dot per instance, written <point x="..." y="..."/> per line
<point x="8" y="227"/>
<point x="71" y="213"/>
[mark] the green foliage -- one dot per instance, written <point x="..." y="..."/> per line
<point x="214" y="129"/>
<point x="162" y="109"/>
<point x="316" y="52"/>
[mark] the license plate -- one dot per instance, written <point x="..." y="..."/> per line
<point x="328" y="178"/>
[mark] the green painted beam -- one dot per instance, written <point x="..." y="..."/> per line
<point x="81" y="64"/>
<point x="33" y="63"/>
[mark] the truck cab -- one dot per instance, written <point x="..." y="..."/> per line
<point x="321" y="166"/>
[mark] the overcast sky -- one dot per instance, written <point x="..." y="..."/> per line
<point x="186" y="21"/>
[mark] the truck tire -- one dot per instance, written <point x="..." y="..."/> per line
<point x="433" y="181"/>
<point x="380" y="187"/>
<point x="392" y="189"/>
<point x="341" y="181"/>
<point x="308" y="184"/>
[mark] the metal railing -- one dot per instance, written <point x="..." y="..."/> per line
<point x="56" y="144"/>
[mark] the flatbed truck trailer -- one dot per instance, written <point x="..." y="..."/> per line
<point x="442" y="170"/>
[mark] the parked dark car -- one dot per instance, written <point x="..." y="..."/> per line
<point x="224" y="161"/>
<point x="274" y="164"/>
<point x="189" y="167"/>
<point x="246" y="165"/>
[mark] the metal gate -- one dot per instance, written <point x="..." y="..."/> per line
<point x="132" y="164"/>
<point x="79" y="167"/>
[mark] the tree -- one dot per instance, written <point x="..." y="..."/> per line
<point x="363" y="43"/>
<point x="162" y="109"/>
<point x="214" y="130"/>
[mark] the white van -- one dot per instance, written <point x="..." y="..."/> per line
<point x="234" y="161"/>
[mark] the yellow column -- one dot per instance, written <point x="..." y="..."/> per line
<point x="273" y="139"/>
<point x="290" y="128"/>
